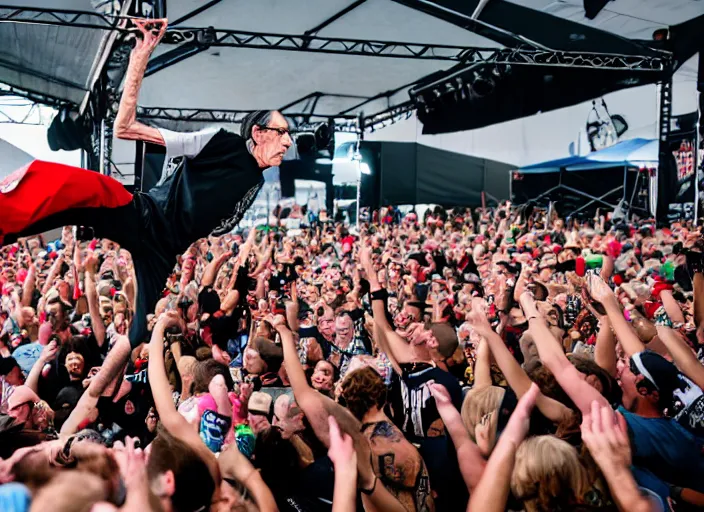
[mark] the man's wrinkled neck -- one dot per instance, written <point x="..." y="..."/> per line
<point x="255" y="151"/>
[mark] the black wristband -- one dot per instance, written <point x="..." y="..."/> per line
<point x="369" y="492"/>
<point x="379" y="295"/>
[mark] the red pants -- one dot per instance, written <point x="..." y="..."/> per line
<point x="44" y="195"/>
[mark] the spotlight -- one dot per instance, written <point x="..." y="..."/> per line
<point x="661" y="34"/>
<point x="313" y="138"/>
<point x="481" y="86"/>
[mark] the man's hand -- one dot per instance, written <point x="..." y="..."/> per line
<point x="91" y="263"/>
<point x="477" y="316"/>
<point x="152" y="31"/>
<point x="170" y="319"/>
<point x="365" y="257"/>
<point x="49" y="352"/>
<point x="606" y="436"/>
<point x="276" y="321"/>
<point x="341" y="451"/>
<point x="599" y="290"/>
<point x="441" y="395"/>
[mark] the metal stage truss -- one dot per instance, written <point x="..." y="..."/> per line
<point x="207" y="37"/>
<point x="186" y="42"/>
<point x="343" y="123"/>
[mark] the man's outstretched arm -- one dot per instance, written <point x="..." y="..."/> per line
<point x="126" y="125"/>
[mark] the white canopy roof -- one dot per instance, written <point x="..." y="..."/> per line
<point x="632" y="19"/>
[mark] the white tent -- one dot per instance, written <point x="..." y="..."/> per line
<point x="372" y="52"/>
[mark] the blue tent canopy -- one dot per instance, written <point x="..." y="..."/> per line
<point x="553" y="165"/>
<point x="627" y="153"/>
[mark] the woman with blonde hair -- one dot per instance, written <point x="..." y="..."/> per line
<point x="548" y="476"/>
<point x="479" y="415"/>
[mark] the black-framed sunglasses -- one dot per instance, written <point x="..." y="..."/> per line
<point x="280" y="131"/>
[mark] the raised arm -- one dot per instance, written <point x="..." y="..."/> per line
<point x="96" y="321"/>
<point x="672" y="307"/>
<point x="126" y="125"/>
<point x="176" y="424"/>
<point x="211" y="271"/>
<point x="236" y="466"/>
<point x="626" y="335"/>
<point x="47" y="355"/>
<point x="318" y="408"/>
<point x="482" y="365"/>
<point x="29" y="285"/>
<point x="294" y="369"/>
<point x="491" y="494"/>
<point x="605" y="349"/>
<point x="344" y="458"/>
<point x="469" y="456"/>
<point x="109" y="371"/>
<point x="605" y="434"/>
<point x="396" y="349"/>
<point x="682" y="355"/>
<point x="515" y="375"/>
<point x="550" y="351"/>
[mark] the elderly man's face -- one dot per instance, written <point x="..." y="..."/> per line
<point x="288" y="417"/>
<point x="326" y="325"/>
<point x="271" y="141"/>
<point x="344" y="330"/>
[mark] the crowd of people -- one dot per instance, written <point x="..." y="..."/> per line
<point x="472" y="359"/>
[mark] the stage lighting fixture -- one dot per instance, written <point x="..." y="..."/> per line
<point x="323" y="134"/>
<point x="67" y="132"/>
<point x="482" y="86"/>
<point x="314" y="139"/>
<point x="661" y="34"/>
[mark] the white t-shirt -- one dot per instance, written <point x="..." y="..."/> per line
<point x="183" y="144"/>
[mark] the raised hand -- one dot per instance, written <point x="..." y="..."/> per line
<point x="477" y="316"/>
<point x="170" y="319"/>
<point x="441" y="395"/>
<point x="599" y="290"/>
<point x="605" y="434"/>
<point x="519" y="422"/>
<point x="365" y="256"/>
<point x="91" y="263"/>
<point x="49" y="352"/>
<point x="341" y="451"/>
<point x="522" y="283"/>
<point x="152" y="31"/>
<point x="276" y="321"/>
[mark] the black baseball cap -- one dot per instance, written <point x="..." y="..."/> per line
<point x="7" y="364"/>
<point x="657" y="370"/>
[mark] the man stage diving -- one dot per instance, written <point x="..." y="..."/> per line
<point x="216" y="182"/>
